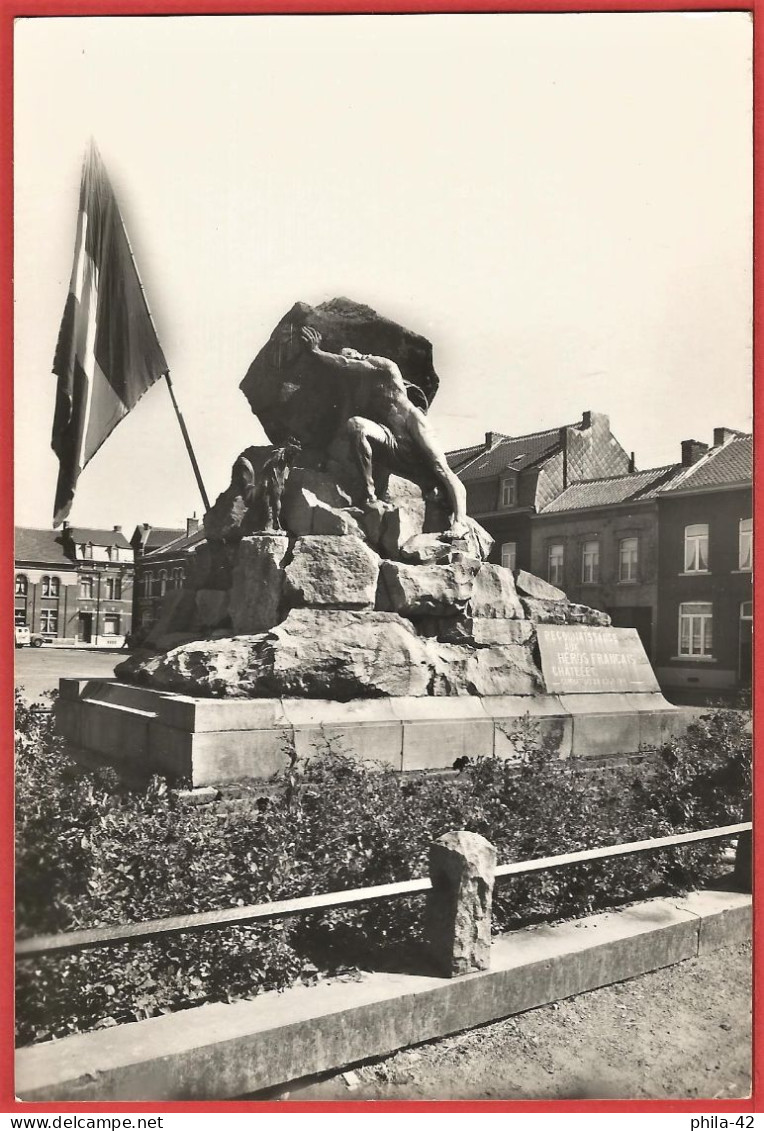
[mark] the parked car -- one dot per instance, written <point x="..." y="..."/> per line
<point x="25" y="636"/>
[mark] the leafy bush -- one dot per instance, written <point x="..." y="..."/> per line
<point x="92" y="852"/>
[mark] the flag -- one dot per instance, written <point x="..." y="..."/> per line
<point x="107" y="354"/>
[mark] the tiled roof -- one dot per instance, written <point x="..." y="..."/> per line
<point x="723" y="466"/>
<point x="513" y="452"/>
<point x="160" y="536"/>
<point x="179" y="545"/>
<point x="634" y="487"/>
<point x="84" y="534"/>
<point x="460" y="456"/>
<point x="44" y="546"/>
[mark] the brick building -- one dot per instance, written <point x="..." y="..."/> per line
<point x="666" y="551"/>
<point x="598" y="540"/>
<point x="509" y="479"/>
<point x="74" y="586"/>
<point x="705" y="521"/>
<point x="160" y="566"/>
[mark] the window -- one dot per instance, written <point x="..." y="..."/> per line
<point x="745" y="544"/>
<point x="507" y="494"/>
<point x="509" y="555"/>
<point x="86" y="586"/>
<point x="178" y="577"/>
<point x="49" y="622"/>
<point x="148" y="584"/>
<point x="111" y="625"/>
<point x="696" y="629"/>
<point x="628" y="555"/>
<point x="162" y="582"/>
<point x="555" y="563"/>
<point x="20" y="618"/>
<point x="746" y="610"/>
<point x="50" y="587"/>
<point x="590" y="563"/>
<point x="696" y="548"/>
<point x="113" y="588"/>
<point x="87" y="550"/>
<point x="21" y="585"/>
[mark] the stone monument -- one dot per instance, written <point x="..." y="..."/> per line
<point x="343" y="592"/>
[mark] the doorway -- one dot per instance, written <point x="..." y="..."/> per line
<point x="86" y="628"/>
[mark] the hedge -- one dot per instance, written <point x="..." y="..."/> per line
<point x="91" y="851"/>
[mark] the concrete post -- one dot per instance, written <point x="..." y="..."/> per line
<point x="458" y="912"/>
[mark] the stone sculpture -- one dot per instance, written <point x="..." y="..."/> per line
<point x="398" y="431"/>
<point x="340" y="562"/>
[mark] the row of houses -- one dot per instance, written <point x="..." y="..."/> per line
<point x="667" y="550"/>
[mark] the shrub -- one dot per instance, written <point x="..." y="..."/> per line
<point x="91" y="852"/>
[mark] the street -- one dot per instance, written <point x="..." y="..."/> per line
<point x="37" y="670"/>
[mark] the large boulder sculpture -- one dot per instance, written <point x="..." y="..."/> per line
<point x="296" y="398"/>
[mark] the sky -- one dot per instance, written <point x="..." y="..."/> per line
<point x="562" y="204"/>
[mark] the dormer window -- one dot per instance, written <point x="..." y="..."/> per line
<point x="508" y="491"/>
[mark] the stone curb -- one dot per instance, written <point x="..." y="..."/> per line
<point x="227" y="1051"/>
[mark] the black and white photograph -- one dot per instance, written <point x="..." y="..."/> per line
<point x="383" y="602"/>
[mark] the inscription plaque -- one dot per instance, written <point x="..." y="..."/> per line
<point x="578" y="658"/>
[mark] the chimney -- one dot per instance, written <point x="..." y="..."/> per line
<point x="117" y="529"/>
<point x="722" y="435"/>
<point x="146" y="526"/>
<point x="564" y="449"/>
<point x="586" y="419"/>
<point x="632" y="464"/>
<point x="692" y="450"/>
<point x="192" y="525"/>
<point x="490" y="439"/>
<point x="65" y="525"/>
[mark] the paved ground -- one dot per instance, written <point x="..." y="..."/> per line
<point x="683" y="1032"/>
<point x="38" y="669"/>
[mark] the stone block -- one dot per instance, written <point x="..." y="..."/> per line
<point x="212" y="757"/>
<point x="434" y="745"/>
<point x="426" y="590"/>
<point x="503" y="669"/>
<point x="458" y="911"/>
<point x="515" y="737"/>
<point x="258" y="581"/>
<point x="195" y="715"/>
<point x="176" y="614"/>
<point x="119" y="733"/>
<point x="725" y="917"/>
<point x="494" y="594"/>
<point x="333" y="571"/>
<point x="595" y="735"/>
<point x="405" y="518"/>
<point x="209" y="566"/>
<point x="562" y="612"/>
<point x="315" y="504"/>
<point x="345" y="654"/>
<point x="529" y="585"/>
<point x="211" y="608"/>
<point x="485" y="630"/>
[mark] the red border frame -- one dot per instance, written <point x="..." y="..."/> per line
<point x="9" y="11"/>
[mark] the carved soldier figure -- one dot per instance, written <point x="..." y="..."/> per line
<point x="401" y="436"/>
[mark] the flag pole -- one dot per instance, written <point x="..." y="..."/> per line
<point x="181" y="421"/>
<point x="187" y="439"/>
